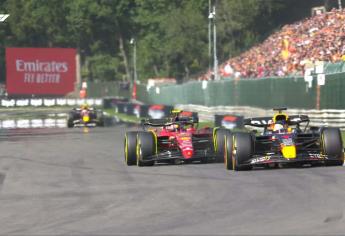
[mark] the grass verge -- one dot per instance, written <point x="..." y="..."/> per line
<point x="123" y="117"/>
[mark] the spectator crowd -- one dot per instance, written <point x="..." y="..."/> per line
<point x="289" y="51"/>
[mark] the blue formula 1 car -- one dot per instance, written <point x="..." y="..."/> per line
<point x="283" y="142"/>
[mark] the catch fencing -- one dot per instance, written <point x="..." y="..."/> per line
<point x="292" y="92"/>
<point x="105" y="89"/>
<point x="49" y="102"/>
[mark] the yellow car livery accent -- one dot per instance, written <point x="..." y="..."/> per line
<point x="214" y="138"/>
<point x="176" y="111"/>
<point x="138" y="152"/>
<point x="322" y="145"/>
<point x="86" y="119"/>
<point x="233" y="152"/>
<point x="279" y="114"/>
<point x="185" y="138"/>
<point x="156" y="141"/>
<point x="126" y="148"/>
<point x="289" y="152"/>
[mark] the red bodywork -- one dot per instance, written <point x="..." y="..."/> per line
<point x="181" y="138"/>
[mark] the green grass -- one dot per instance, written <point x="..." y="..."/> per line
<point x="123" y="117"/>
<point x="203" y="124"/>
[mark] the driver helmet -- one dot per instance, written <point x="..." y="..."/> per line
<point x="175" y="114"/>
<point x="173" y="127"/>
<point x="84" y="106"/>
<point x="279" y="126"/>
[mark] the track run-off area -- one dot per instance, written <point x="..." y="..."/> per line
<point x="60" y="181"/>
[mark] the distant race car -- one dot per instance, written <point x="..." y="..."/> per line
<point x="173" y="140"/>
<point x="85" y="116"/>
<point x="283" y="142"/>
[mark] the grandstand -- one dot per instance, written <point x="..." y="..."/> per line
<point x="292" y="49"/>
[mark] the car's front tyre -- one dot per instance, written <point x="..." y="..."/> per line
<point x="242" y="151"/>
<point x="219" y="142"/>
<point x="228" y="152"/>
<point x="70" y="119"/>
<point x="146" y="148"/>
<point x="130" y="145"/>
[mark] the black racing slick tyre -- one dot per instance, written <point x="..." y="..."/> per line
<point x="242" y="151"/>
<point x="228" y="151"/>
<point x="71" y="118"/>
<point x="130" y="148"/>
<point x="146" y="148"/>
<point x="219" y="142"/>
<point x="100" y="118"/>
<point x="101" y="121"/>
<point x="70" y="123"/>
<point x="332" y="145"/>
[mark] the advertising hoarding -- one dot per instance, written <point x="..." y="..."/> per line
<point x="228" y="121"/>
<point x="40" y="71"/>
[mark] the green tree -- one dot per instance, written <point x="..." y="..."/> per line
<point x="171" y="35"/>
<point x="100" y="29"/>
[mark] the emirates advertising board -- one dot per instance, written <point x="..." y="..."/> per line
<point x="41" y="71"/>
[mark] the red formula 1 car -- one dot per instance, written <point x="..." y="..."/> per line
<point x="173" y="140"/>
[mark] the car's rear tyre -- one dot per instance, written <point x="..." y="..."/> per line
<point x="204" y="160"/>
<point x="242" y="151"/>
<point x="219" y="142"/>
<point x="70" y="123"/>
<point x="146" y="147"/>
<point x="70" y="119"/>
<point x="101" y="121"/>
<point x="100" y="118"/>
<point x="130" y="148"/>
<point x="332" y="145"/>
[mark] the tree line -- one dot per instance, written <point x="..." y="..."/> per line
<point x="171" y="36"/>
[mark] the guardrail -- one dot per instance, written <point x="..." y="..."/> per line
<point x="49" y="102"/>
<point x="33" y="123"/>
<point x="325" y="117"/>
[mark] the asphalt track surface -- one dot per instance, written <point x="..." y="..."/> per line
<point x="73" y="182"/>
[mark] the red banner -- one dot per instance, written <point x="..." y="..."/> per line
<point x="44" y="71"/>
